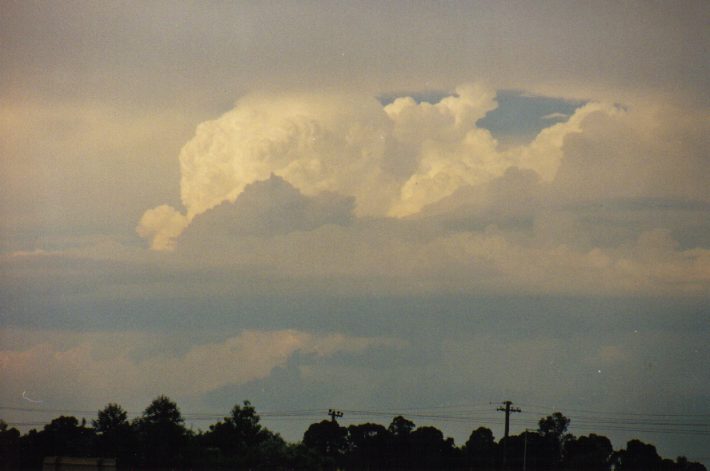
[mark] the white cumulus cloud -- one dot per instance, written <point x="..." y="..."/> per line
<point x="393" y="159"/>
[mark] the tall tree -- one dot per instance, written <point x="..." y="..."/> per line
<point x="65" y="436"/>
<point x="243" y="442"/>
<point x="592" y="453"/>
<point x="531" y="448"/>
<point x="481" y="449"/>
<point x="682" y="464"/>
<point x="163" y="437"/>
<point x="638" y="456"/>
<point x="245" y="423"/>
<point x="554" y="426"/>
<point x="430" y="449"/>
<point x="553" y="430"/>
<point x="368" y="446"/>
<point x="115" y="438"/>
<point x="401" y="442"/>
<point x="9" y="447"/>
<point x="401" y="427"/>
<point x="111" y="417"/>
<point x="328" y="439"/>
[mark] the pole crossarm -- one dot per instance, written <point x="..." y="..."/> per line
<point x="334" y="413"/>
<point x="508" y="409"/>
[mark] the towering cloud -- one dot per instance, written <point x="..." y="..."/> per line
<point x="393" y="159"/>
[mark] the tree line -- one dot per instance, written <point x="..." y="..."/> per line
<point x="158" y="439"/>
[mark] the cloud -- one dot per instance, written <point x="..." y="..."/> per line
<point x="393" y="160"/>
<point x="397" y="159"/>
<point x="218" y="51"/>
<point x="443" y="140"/>
<point x="512" y="199"/>
<point x="267" y="208"/>
<point x="545" y="153"/>
<point x="564" y="214"/>
<point x="556" y="115"/>
<point x="162" y="225"/>
<point x="649" y="151"/>
<point x="315" y="142"/>
<point x="120" y="366"/>
<point x="80" y="169"/>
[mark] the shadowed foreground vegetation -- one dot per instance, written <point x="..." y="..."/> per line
<point x="158" y="439"/>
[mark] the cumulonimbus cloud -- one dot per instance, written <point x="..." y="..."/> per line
<point x="393" y="159"/>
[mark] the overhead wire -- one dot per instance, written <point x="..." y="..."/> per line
<point x="460" y="413"/>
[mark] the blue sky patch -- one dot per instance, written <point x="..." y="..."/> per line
<point x="426" y="96"/>
<point x="521" y="116"/>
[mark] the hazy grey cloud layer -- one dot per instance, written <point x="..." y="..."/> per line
<point x="213" y="49"/>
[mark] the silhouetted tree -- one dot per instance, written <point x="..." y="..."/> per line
<point x="481" y="449"/>
<point x="430" y="450"/>
<point x="637" y="456"/>
<point x="401" y="427"/>
<point x="592" y="453"/>
<point x="328" y="439"/>
<point x="643" y="456"/>
<point x="243" y="442"/>
<point x="31" y="450"/>
<point x="554" y="425"/>
<point x="400" y="430"/>
<point x="300" y="456"/>
<point x="116" y="438"/>
<point x="682" y="464"/>
<point x="163" y="438"/>
<point x="238" y="432"/>
<point x="64" y="436"/>
<point x="9" y="447"/>
<point x="368" y="446"/>
<point x="529" y="447"/>
<point x="161" y="441"/>
<point x="111" y="417"/>
<point x="272" y="452"/>
<point x="553" y="430"/>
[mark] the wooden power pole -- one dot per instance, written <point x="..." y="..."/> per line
<point x="507" y="409"/>
<point x="333" y="414"/>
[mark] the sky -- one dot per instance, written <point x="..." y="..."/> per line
<point x="411" y="207"/>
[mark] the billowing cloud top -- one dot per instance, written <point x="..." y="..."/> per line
<point x="613" y="197"/>
<point x="394" y="159"/>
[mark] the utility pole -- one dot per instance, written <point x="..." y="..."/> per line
<point x="525" y="452"/>
<point x="507" y="409"/>
<point x="333" y="414"/>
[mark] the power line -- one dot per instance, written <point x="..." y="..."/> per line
<point x="547" y="408"/>
<point x="637" y="422"/>
<point x="462" y="409"/>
